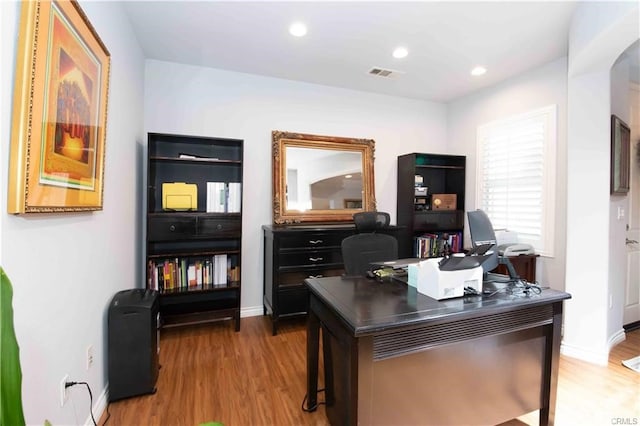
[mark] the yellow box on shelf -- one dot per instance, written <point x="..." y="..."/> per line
<point x="179" y="196"/>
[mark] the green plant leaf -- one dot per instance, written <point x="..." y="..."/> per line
<point x="10" y="372"/>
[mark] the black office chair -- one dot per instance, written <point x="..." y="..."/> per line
<point x="368" y="245"/>
<point x="482" y="232"/>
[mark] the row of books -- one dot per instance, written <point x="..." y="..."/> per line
<point x="224" y="197"/>
<point x="185" y="272"/>
<point x="438" y="244"/>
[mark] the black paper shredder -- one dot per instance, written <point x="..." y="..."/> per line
<point x="133" y="343"/>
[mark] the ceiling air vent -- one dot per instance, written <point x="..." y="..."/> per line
<point x="381" y="72"/>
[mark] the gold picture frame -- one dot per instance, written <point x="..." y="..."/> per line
<point x="283" y="142"/>
<point x="620" y="156"/>
<point x="59" y="111"/>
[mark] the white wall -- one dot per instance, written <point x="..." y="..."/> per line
<point x="207" y="102"/>
<point x="534" y="89"/>
<point x="620" y="106"/>
<point x="600" y="32"/>
<point x="65" y="268"/>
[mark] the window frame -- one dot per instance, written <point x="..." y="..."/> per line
<point x="545" y="245"/>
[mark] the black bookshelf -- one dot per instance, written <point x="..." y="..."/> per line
<point x="420" y="176"/>
<point x="194" y="232"/>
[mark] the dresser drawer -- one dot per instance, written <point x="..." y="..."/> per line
<point x="313" y="240"/>
<point x="311" y="258"/>
<point x="296" y="278"/>
<point x="170" y="228"/>
<point x="218" y="226"/>
<point x="438" y="221"/>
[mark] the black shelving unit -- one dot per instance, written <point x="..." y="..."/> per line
<point x="194" y="250"/>
<point x="439" y="174"/>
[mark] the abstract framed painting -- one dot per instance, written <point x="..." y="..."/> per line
<point x="59" y="112"/>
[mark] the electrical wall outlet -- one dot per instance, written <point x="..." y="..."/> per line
<point x="64" y="395"/>
<point x="89" y="356"/>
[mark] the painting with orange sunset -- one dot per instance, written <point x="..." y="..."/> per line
<point x="71" y="119"/>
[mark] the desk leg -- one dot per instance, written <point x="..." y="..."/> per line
<point x="552" y="360"/>
<point x="327" y="358"/>
<point x="313" y="349"/>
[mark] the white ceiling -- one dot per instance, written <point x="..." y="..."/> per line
<point x="346" y="39"/>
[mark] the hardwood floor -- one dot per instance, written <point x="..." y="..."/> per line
<point x="211" y="373"/>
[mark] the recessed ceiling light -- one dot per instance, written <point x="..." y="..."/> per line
<point x="400" y="52"/>
<point x="298" y="29"/>
<point x="478" y="71"/>
<point x="348" y="176"/>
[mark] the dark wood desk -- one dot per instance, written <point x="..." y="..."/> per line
<point x="395" y="356"/>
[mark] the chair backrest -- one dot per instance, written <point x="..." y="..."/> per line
<point x="371" y="221"/>
<point x="480" y="228"/>
<point x="482" y="232"/>
<point x="367" y="246"/>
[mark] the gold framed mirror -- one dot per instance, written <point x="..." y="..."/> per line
<point x="321" y="178"/>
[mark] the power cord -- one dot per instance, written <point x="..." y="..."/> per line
<point x="517" y="287"/>
<point x="315" y="407"/>
<point x="530" y="288"/>
<point x="69" y="384"/>
<point x="108" y="416"/>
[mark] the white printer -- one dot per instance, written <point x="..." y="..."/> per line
<point x="508" y="250"/>
<point x="444" y="278"/>
<point x="507" y="242"/>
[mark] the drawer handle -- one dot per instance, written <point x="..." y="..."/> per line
<point x="314" y="242"/>
<point x="219" y="226"/>
<point x="172" y="228"/>
<point x="316" y="276"/>
<point x="316" y="259"/>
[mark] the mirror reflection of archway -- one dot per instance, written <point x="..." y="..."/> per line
<point x="322" y="179"/>
<point x="337" y="192"/>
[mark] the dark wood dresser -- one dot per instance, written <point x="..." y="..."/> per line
<point x="295" y="253"/>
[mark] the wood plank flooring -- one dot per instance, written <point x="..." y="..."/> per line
<point x="211" y="373"/>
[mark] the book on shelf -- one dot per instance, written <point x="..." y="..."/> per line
<point x="183" y="273"/>
<point x="234" y="274"/>
<point x="191" y="275"/>
<point x="223" y="197"/>
<point x="438" y="244"/>
<point x="234" y="198"/>
<point x="160" y="279"/>
<point x="187" y="156"/>
<point x="150" y="275"/>
<point x="168" y="279"/>
<point x="220" y="269"/>
<point x="216" y="197"/>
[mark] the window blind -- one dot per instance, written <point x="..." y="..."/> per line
<point x="514" y="175"/>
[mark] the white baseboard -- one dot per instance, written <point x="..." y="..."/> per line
<point x="252" y="311"/>
<point x="588" y="355"/>
<point x="618" y="337"/>
<point x="99" y="407"/>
